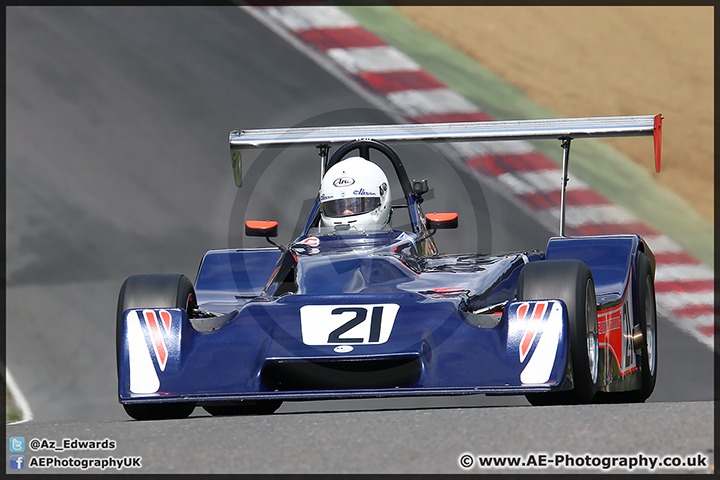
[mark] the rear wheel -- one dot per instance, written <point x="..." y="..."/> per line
<point x="647" y="317"/>
<point x="570" y="281"/>
<point x="248" y="407"/>
<point x="154" y="291"/>
<point x="647" y="354"/>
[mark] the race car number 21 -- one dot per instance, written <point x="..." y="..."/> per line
<point x="347" y="324"/>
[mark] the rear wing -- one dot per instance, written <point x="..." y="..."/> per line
<point x="563" y="129"/>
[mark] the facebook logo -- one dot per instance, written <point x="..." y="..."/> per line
<point x="17" y="462"/>
<point x="17" y="444"/>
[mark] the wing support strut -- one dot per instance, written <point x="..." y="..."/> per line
<point x="565" y="144"/>
<point x="324" y="151"/>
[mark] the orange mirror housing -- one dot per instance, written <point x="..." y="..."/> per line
<point x="436" y="221"/>
<point x="261" y="228"/>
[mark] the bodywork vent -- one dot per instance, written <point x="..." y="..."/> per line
<point x="284" y="375"/>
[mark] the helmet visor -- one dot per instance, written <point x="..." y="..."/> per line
<point x="343" y="207"/>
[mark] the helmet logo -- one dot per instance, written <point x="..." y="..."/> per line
<point x="383" y="189"/>
<point x="362" y="191"/>
<point x="343" y="181"/>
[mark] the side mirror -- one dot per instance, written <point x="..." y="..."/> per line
<point x="420" y="187"/>
<point x="437" y="221"/>
<point x="261" y="228"/>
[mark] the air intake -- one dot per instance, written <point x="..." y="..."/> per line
<point x="387" y="372"/>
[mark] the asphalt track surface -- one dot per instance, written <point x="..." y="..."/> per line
<point x="118" y="164"/>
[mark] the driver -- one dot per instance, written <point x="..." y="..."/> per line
<point x="355" y="192"/>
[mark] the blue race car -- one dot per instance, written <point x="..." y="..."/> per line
<point x="353" y="308"/>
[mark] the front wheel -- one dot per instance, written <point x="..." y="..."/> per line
<point x="154" y="291"/>
<point x="248" y="407"/>
<point x="570" y="281"/>
<point x="159" y="411"/>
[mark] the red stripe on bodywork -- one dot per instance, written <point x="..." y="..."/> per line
<point x="166" y="319"/>
<point x="610" y="336"/>
<point x="389" y="82"/>
<point x="609" y="321"/>
<point x="532" y="329"/>
<point x="446" y="290"/>
<point x="346" y="37"/>
<point x="522" y="310"/>
<point x="157" y="337"/>
<point x="610" y="331"/>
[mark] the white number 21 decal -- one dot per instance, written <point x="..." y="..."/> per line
<point x="347" y="324"/>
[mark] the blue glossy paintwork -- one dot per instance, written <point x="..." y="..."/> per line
<point x="364" y="269"/>
<point x="228" y="278"/>
<point x="610" y="258"/>
<point x="456" y="357"/>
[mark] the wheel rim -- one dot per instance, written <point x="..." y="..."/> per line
<point x="591" y="331"/>
<point x="650" y="325"/>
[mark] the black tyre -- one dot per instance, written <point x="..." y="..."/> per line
<point x="647" y="317"/>
<point x="159" y="411"/>
<point x="248" y="407"/>
<point x="162" y="290"/>
<point x="570" y="281"/>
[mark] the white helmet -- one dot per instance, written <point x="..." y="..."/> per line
<point x="355" y="192"/>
